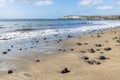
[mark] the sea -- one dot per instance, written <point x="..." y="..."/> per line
<point x="19" y="36"/>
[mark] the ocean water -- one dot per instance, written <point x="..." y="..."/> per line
<point x="20" y="38"/>
<point x="33" y="35"/>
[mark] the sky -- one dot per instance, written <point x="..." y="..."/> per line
<point x="39" y="9"/>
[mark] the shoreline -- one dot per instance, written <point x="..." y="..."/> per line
<point x="73" y="55"/>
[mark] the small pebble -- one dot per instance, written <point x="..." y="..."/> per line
<point x="37" y="60"/>
<point x="85" y="58"/>
<point x="65" y="70"/>
<point x="10" y="71"/>
<point x="102" y="58"/>
<point x="107" y="49"/>
<point x="9" y="50"/>
<point x="97" y="63"/>
<point x="4" y="53"/>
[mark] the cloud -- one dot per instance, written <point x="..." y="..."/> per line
<point x="118" y="2"/>
<point x="90" y="2"/>
<point x="44" y="2"/>
<point x="35" y="2"/>
<point x="104" y="8"/>
<point x="2" y="5"/>
<point x="25" y="1"/>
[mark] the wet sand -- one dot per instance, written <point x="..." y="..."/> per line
<point x="92" y="56"/>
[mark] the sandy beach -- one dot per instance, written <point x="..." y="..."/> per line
<point x="92" y="56"/>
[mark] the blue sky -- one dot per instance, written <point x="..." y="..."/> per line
<point x="57" y="8"/>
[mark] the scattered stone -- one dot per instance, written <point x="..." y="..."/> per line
<point x="69" y="36"/>
<point x="102" y="58"/>
<point x="31" y="47"/>
<point x="106" y="41"/>
<point x="65" y="70"/>
<point x="4" y="53"/>
<point x="97" y="49"/>
<point x="97" y="63"/>
<point x="58" y="41"/>
<point x="85" y="43"/>
<point x="91" y="62"/>
<point x="37" y="60"/>
<point x="37" y="41"/>
<point x="85" y="58"/>
<point x="107" y="49"/>
<point x="92" y="50"/>
<point x="64" y="50"/>
<point x="98" y="45"/>
<point x="115" y="37"/>
<point x="59" y="49"/>
<point x="79" y="44"/>
<point x="10" y="72"/>
<point x="9" y="50"/>
<point x="118" y="41"/>
<point x="44" y="38"/>
<point x="98" y="36"/>
<point x="20" y="49"/>
<point x="72" y="49"/>
<point x="11" y="45"/>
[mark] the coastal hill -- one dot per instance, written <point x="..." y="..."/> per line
<point x="108" y="17"/>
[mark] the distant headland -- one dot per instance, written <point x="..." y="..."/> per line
<point x="101" y="17"/>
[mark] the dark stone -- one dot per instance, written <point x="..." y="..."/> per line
<point x="85" y="43"/>
<point x="107" y="49"/>
<point x="98" y="45"/>
<point x="4" y="53"/>
<point x="10" y="71"/>
<point x="69" y="36"/>
<point x="72" y="49"/>
<point x="37" y="41"/>
<point x="59" y="49"/>
<point x="115" y="37"/>
<point x="97" y="49"/>
<point x="102" y="58"/>
<point x="9" y="50"/>
<point x="92" y="50"/>
<point x="44" y="38"/>
<point x="64" y="50"/>
<point x="58" y="41"/>
<point x="11" y="45"/>
<point x="37" y="60"/>
<point x="31" y="47"/>
<point x="106" y="41"/>
<point x="97" y="63"/>
<point x="91" y="62"/>
<point x="65" y="70"/>
<point x="85" y="58"/>
<point x="98" y="36"/>
<point x="79" y="44"/>
<point x="118" y="41"/>
<point x="20" y="49"/>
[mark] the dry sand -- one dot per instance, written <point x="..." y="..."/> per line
<point x="70" y="56"/>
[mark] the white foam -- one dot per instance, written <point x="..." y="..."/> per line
<point x="23" y="35"/>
